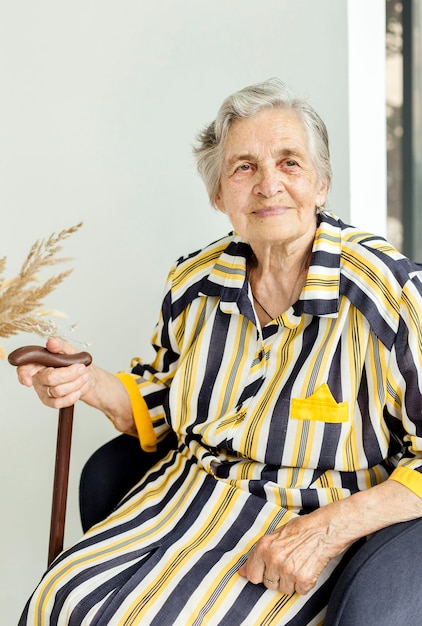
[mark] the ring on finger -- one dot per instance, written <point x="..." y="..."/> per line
<point x="50" y="395"/>
<point x="271" y="582"/>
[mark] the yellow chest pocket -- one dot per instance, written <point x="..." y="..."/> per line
<point x="320" y="407"/>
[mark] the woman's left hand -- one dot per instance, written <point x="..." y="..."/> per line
<point x="292" y="557"/>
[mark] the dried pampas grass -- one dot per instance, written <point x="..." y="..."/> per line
<point x="22" y="297"/>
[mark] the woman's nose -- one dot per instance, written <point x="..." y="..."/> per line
<point x="269" y="183"/>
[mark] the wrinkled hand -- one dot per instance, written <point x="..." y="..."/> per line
<point x="56" y="387"/>
<point x="292" y="557"/>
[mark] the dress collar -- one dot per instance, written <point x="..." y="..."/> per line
<point x="321" y="294"/>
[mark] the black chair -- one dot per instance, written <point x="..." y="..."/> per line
<point x="111" y="472"/>
<point x="380" y="586"/>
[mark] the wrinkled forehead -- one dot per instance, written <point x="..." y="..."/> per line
<point x="271" y="132"/>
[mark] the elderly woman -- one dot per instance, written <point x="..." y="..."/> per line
<point x="288" y="363"/>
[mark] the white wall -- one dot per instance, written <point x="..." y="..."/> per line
<point x="367" y="121"/>
<point x="100" y="102"/>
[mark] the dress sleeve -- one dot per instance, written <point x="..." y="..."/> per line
<point x="149" y="384"/>
<point x="405" y="388"/>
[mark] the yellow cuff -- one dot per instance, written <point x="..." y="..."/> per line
<point x="409" y="478"/>
<point x="140" y="412"/>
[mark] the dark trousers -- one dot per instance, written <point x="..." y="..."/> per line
<point x="382" y="583"/>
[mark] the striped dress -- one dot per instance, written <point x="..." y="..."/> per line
<point x="271" y="422"/>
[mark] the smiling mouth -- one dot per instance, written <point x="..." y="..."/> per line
<point x="271" y="210"/>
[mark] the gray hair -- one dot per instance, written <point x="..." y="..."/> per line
<point x="247" y="102"/>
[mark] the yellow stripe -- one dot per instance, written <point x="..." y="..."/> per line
<point x="141" y="416"/>
<point x="378" y="371"/>
<point x="356" y="338"/>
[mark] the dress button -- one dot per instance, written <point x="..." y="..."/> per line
<point x="214" y="465"/>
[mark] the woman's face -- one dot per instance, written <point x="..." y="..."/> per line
<point x="269" y="186"/>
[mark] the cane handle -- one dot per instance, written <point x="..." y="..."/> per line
<point x="38" y="354"/>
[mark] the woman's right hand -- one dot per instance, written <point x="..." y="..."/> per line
<point x="61" y="386"/>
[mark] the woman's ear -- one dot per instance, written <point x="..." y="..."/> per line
<point x="219" y="204"/>
<point x="321" y="196"/>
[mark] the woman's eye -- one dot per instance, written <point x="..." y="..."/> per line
<point x="244" y="167"/>
<point x="290" y="163"/>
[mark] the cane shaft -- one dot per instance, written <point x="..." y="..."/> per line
<point x="61" y="480"/>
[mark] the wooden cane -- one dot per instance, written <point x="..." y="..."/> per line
<point x="42" y="356"/>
